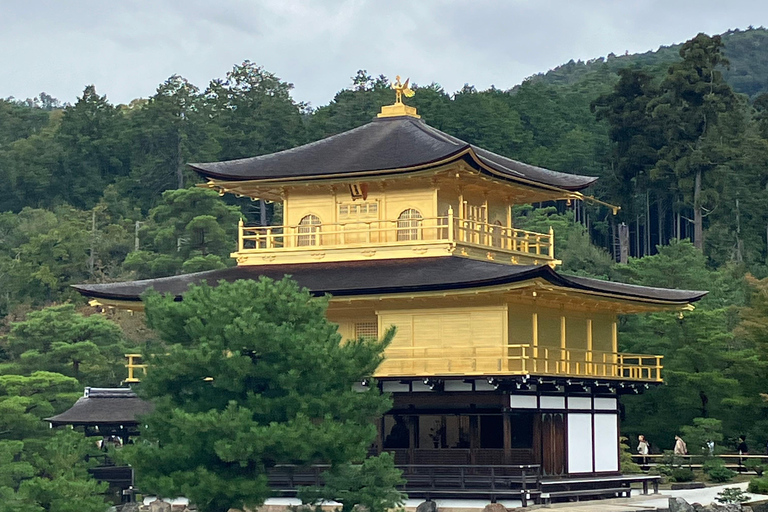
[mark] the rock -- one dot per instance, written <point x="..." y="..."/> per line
<point x="427" y="506"/>
<point x="495" y="507"/>
<point x="159" y="506"/>
<point x="680" y="505"/>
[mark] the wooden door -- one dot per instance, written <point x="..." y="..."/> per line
<point x="551" y="433"/>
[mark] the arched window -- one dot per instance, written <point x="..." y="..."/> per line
<point x="496" y="229"/>
<point x="309" y="226"/>
<point x="408" y="223"/>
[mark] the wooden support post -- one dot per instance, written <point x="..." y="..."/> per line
<point x="589" y="346"/>
<point x="614" y="347"/>
<point x="564" y="359"/>
<point x="412" y="439"/>
<point x="450" y="224"/>
<point x="474" y="438"/>
<point x="240" y="241"/>
<point x="507" y="423"/>
<point x="535" y="340"/>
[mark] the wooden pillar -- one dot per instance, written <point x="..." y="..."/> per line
<point x="474" y="438"/>
<point x="589" y="347"/>
<point x="509" y="240"/>
<point x="507" y="422"/>
<point x="535" y="342"/>
<point x="564" y="359"/>
<point x="614" y="347"/>
<point x="413" y="427"/>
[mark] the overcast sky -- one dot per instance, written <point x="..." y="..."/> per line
<point x="127" y="47"/>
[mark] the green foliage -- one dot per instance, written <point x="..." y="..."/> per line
<point x="755" y="465"/>
<point x="716" y="471"/>
<point x="371" y="485"/>
<point x="59" y="339"/>
<point x="682" y="475"/>
<point x="626" y="464"/>
<point x="731" y="495"/>
<point x="758" y="485"/>
<point x="702" y="431"/>
<point x="191" y="230"/>
<point x="41" y="469"/>
<point x="281" y="392"/>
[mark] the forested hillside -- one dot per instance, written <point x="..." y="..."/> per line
<point x="97" y="192"/>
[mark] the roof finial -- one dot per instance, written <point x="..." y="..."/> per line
<point x="401" y="89"/>
<point x="400" y="108"/>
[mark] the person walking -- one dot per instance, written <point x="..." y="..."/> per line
<point x="643" y="448"/>
<point x="680" y="447"/>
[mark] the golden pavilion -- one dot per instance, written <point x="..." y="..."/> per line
<point x="498" y="358"/>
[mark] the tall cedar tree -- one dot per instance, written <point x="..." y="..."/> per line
<point x="252" y="375"/>
<point x="694" y="96"/>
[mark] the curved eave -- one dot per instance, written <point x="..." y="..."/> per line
<point x="467" y="155"/>
<point x="395" y="280"/>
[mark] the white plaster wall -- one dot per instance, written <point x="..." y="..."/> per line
<point x="580" y="442"/>
<point x="606" y="440"/>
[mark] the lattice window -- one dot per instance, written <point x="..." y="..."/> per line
<point x="408" y="225"/>
<point x="367" y="330"/>
<point x="308" y="229"/>
<point x="354" y="211"/>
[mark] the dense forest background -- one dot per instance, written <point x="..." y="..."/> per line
<point x="97" y="192"/>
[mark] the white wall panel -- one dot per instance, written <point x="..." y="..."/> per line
<point x="523" y="401"/>
<point x="606" y="404"/>
<point x="552" y="402"/>
<point x="606" y="442"/>
<point x="579" y="443"/>
<point x="579" y="402"/>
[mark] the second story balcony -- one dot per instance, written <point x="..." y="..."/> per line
<point x="410" y="235"/>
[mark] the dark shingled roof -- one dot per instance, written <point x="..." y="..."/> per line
<point x="390" y="143"/>
<point x="104" y="406"/>
<point x="388" y="276"/>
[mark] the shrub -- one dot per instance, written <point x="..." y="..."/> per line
<point x="626" y="464"/>
<point x="755" y="465"/>
<point x="682" y="475"/>
<point x="758" y="485"/>
<point x="721" y="474"/>
<point x="731" y="495"/>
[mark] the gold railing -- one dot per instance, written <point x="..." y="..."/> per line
<point x="395" y="232"/>
<point x="498" y="360"/>
<point x="134" y="366"/>
<point x="518" y="360"/>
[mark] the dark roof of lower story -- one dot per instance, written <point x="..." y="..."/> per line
<point x="104" y="406"/>
<point x="388" y="277"/>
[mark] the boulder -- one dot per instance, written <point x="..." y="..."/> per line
<point x="427" y="506"/>
<point x="680" y="505"/>
<point x="159" y="506"/>
<point x="495" y="507"/>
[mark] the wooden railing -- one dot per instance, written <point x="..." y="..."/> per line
<point x="518" y="360"/>
<point x="497" y="360"/>
<point x="395" y="232"/>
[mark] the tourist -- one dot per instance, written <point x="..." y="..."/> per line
<point x="642" y="448"/>
<point x="742" y="446"/>
<point x="711" y="447"/>
<point x="680" y="447"/>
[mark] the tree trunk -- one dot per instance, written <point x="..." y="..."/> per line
<point x="698" y="224"/>
<point x="179" y="163"/>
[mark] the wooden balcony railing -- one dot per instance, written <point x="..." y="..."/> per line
<point x="395" y="232"/>
<point x="497" y="360"/>
<point x="518" y="360"/>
